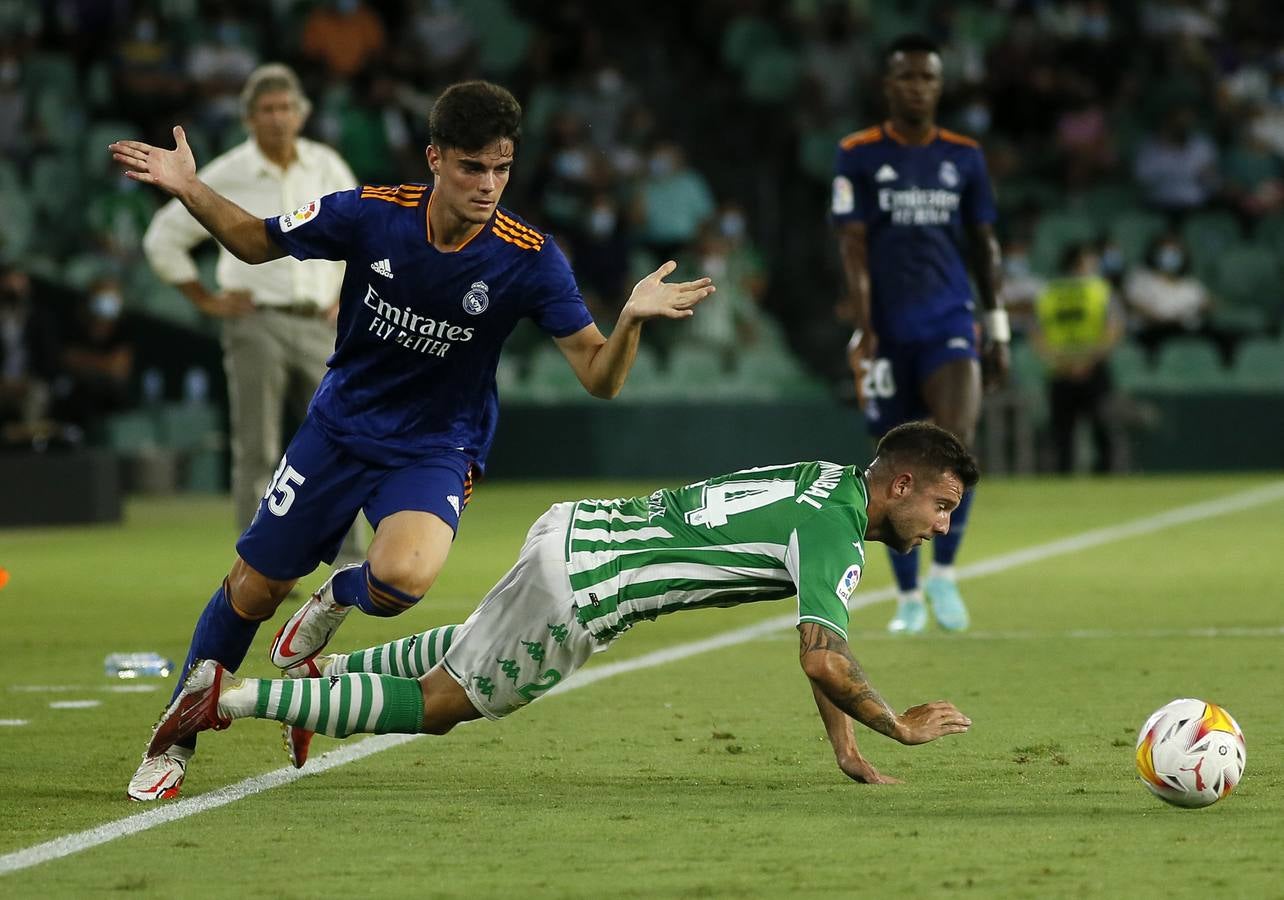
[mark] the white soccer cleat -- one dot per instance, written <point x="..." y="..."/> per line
<point x="195" y="708"/>
<point x="310" y="629"/>
<point x="298" y="741"/>
<point x="159" y="777"/>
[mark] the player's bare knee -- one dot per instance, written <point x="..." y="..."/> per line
<point x="252" y="594"/>
<point x="407" y="576"/>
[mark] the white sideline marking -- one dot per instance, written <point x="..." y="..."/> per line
<point x="75" y="704"/>
<point x="66" y="688"/>
<point x="181" y="809"/>
<point x="12" y="723"/>
<point x="864" y="637"/>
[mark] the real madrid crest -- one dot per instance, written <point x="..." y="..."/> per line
<point x="949" y="175"/>
<point x="477" y="299"/>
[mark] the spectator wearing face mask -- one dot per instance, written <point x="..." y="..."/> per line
<point x="601" y="246"/>
<point x="1163" y="298"/>
<point x="97" y="359"/>
<point x="673" y="201"/>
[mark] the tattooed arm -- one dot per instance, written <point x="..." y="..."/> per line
<point x="837" y="677"/>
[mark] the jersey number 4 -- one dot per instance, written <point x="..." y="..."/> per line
<point x="732" y="497"/>
<point x="280" y="492"/>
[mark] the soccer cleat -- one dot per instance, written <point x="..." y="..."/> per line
<point x="298" y="741"/>
<point x="947" y="603"/>
<point x="195" y="708"/>
<point x="159" y="777"/>
<point x="310" y="629"/>
<point x="910" y="618"/>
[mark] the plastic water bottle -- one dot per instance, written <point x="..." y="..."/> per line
<point x="137" y="665"/>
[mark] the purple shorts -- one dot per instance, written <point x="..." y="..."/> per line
<point x="318" y="489"/>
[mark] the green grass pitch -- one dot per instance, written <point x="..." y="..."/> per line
<point x="704" y="777"/>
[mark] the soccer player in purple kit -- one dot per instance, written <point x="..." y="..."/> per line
<point x="437" y="278"/>
<point x="913" y="209"/>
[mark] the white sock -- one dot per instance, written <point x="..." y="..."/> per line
<point x="939" y="571"/>
<point x="914" y="596"/>
<point x="238" y="702"/>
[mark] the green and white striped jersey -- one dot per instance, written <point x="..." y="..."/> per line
<point x="759" y="534"/>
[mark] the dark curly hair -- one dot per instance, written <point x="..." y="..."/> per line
<point x="929" y="448"/>
<point x="472" y="115"/>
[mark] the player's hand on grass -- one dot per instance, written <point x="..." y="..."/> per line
<point x="929" y="721"/>
<point x="857" y="768"/>
<point x="653" y="297"/>
<point x="170" y="170"/>
<point x="995" y="364"/>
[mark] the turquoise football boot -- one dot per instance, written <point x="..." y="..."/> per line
<point x="910" y="618"/>
<point x="947" y="603"/>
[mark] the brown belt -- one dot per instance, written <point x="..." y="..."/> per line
<point x="306" y="310"/>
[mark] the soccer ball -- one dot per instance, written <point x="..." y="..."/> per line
<point x="1190" y="753"/>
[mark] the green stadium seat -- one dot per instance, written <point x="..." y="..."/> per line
<point x="1259" y="365"/>
<point x="1129" y="365"/>
<point x="1249" y="276"/>
<point x="551" y="380"/>
<point x="94" y="154"/>
<point x="773" y="373"/>
<point x="17" y="225"/>
<point x="1133" y="231"/>
<point x="131" y="432"/>
<point x="55" y="186"/>
<point x="695" y="373"/>
<point x="646" y="382"/>
<point x="189" y="426"/>
<point x="1055" y="232"/>
<point x="1189" y="364"/>
<point x="1269" y="233"/>
<point x="1107" y="202"/>
<point x="1028" y="379"/>
<point x="1210" y="234"/>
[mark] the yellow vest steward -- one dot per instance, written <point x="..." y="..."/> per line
<point x="1073" y="313"/>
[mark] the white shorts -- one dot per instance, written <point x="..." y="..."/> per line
<point x="524" y="637"/>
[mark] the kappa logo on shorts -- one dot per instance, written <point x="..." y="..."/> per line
<point x="300" y="216"/>
<point x="477" y="299"/>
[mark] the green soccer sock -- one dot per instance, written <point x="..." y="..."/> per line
<point x="410" y="657"/>
<point x="339" y="705"/>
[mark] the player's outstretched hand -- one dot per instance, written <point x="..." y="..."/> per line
<point x="928" y="721"/>
<point x="857" y="768"/>
<point x="653" y="297"/>
<point x="169" y="170"/>
<point x="861" y="355"/>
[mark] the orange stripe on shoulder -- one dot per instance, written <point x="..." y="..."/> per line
<point x="504" y="235"/>
<point x="518" y="228"/>
<point x="865" y="136"/>
<point x="955" y="138"/>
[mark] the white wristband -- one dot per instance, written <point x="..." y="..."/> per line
<point x="996" y="326"/>
<point x="854" y="341"/>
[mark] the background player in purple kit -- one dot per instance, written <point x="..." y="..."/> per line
<point x="437" y="278"/>
<point x="914" y="211"/>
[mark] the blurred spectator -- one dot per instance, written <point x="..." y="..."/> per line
<point x="1078" y="325"/>
<point x="343" y="35"/>
<point x="13" y="102"/>
<point x="277" y="318"/>
<point x="97" y="359"/>
<point x="1163" y="298"/>
<point x="601" y="248"/>
<point x="1085" y="141"/>
<point x="149" y="77"/>
<point x="1177" y="167"/>
<point x="219" y="64"/>
<point x="673" y="201"/>
<point x="442" y="38"/>
<point x="28" y="359"/>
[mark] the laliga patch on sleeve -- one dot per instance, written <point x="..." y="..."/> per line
<point x="300" y="216"/>
<point x="844" y="199"/>
<point x="847" y="584"/>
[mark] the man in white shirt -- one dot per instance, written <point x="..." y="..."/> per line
<point x="278" y="318"/>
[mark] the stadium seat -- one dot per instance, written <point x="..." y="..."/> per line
<point x="1210" y="234"/>
<point x="94" y="156"/>
<point x="551" y="380"/>
<point x="1259" y="365"/>
<point x="1269" y="233"/>
<point x="55" y="186"/>
<point x="16" y="224"/>
<point x="1107" y="202"/>
<point x="189" y="426"/>
<point x="1055" y="232"/>
<point x="646" y="381"/>
<point x="131" y="432"/>
<point x="1027" y="377"/>
<point x="1189" y="364"/>
<point x="773" y="373"/>
<point x="1129" y="366"/>
<point x="1249" y="276"/>
<point x="1133" y="231"/>
<point x="695" y="373"/>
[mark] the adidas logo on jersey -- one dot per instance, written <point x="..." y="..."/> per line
<point x="382" y="267"/>
<point x="885" y="173"/>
